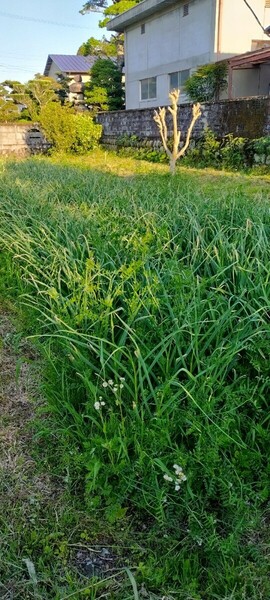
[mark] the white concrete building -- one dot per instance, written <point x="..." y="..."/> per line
<point x="166" y="40"/>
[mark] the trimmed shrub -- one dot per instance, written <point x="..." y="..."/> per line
<point x="68" y="131"/>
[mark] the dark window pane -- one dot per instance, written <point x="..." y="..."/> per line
<point x="152" y="87"/>
<point x="144" y="89"/>
<point x="174" y="81"/>
<point x="183" y="76"/>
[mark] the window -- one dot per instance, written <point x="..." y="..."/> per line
<point x="148" y="88"/>
<point x="178" y="79"/>
<point x="185" y="10"/>
<point x="143" y="28"/>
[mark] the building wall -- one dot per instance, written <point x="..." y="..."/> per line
<point x="251" y="82"/>
<point x="54" y="71"/>
<point x="265" y="80"/>
<point x="171" y="42"/>
<point x="236" y="27"/>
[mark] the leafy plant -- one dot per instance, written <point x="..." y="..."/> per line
<point x="148" y="296"/>
<point x="34" y="95"/>
<point x="207" y="82"/>
<point x="102" y="48"/>
<point x="69" y="131"/>
<point x="233" y="152"/>
<point x="106" y="76"/>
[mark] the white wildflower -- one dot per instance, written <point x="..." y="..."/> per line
<point x="177" y="469"/>
<point x="177" y="487"/>
<point x="122" y="379"/>
<point x="110" y="382"/>
<point x="98" y="405"/>
<point x="115" y="389"/>
<point x="167" y="477"/>
<point x="121" y="386"/>
<point x="104" y="384"/>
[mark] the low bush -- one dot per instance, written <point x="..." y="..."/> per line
<point x="69" y="131"/>
<point x="232" y="153"/>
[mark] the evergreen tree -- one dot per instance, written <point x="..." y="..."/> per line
<point x="106" y="76"/>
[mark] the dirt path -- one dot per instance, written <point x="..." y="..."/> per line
<point x="45" y="552"/>
<point x="22" y="489"/>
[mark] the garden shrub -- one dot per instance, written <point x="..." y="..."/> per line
<point x="261" y="148"/>
<point x="206" y="152"/>
<point x="233" y="153"/>
<point x="207" y="82"/>
<point x="68" y="131"/>
<point x="87" y="133"/>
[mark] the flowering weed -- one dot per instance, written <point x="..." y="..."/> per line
<point x="150" y="300"/>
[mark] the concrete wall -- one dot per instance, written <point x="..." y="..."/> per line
<point x="21" y="139"/>
<point x="243" y="118"/>
<point x="171" y="42"/>
<point x="236" y="26"/>
<point x="251" y="82"/>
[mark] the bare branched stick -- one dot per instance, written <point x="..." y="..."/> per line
<point x="196" y="113"/>
<point x="160" y="119"/>
<point x="174" y="97"/>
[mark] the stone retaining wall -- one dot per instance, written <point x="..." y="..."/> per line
<point x="21" y="139"/>
<point x="249" y="118"/>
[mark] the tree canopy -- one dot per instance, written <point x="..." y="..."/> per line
<point x="33" y="95"/>
<point x="105" y="87"/>
<point x="103" y="48"/>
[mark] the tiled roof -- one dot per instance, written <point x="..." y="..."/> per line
<point x="69" y="63"/>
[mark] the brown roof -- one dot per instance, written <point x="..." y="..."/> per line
<point x="250" y="58"/>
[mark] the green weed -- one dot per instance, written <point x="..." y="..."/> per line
<point x="149" y="296"/>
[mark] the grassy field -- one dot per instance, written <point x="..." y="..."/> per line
<point x="148" y="299"/>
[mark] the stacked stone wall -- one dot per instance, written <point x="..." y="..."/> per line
<point x="248" y="118"/>
<point x="21" y="139"/>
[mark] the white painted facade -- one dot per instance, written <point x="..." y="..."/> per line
<point x="167" y="36"/>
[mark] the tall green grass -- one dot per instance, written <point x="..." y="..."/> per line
<point x="151" y="300"/>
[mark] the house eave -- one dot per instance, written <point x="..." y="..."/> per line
<point x="138" y="13"/>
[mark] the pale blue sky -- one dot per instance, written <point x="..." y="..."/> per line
<point x="25" y="45"/>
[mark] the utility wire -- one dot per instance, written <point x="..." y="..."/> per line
<point x="255" y="16"/>
<point x="33" y="20"/>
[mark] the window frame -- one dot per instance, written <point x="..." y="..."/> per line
<point x="180" y="84"/>
<point x="148" y="80"/>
